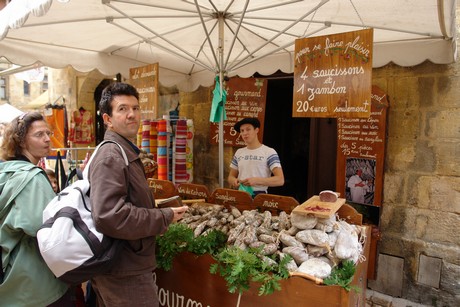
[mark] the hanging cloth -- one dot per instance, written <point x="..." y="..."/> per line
<point x="218" y="103"/>
<point x="56" y="117"/>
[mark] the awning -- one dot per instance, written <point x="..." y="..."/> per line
<point x="193" y="41"/>
<point x="38" y="103"/>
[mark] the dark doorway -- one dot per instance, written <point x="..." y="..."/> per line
<point x="288" y="136"/>
<point x="100" y="128"/>
<point x="306" y="146"/>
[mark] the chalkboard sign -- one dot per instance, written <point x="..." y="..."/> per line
<point x="193" y="191"/>
<point x="333" y="75"/>
<point x="145" y="80"/>
<point x="162" y="188"/>
<point x="361" y="153"/>
<point x="275" y="203"/>
<point x="229" y="197"/>
<point x="246" y="97"/>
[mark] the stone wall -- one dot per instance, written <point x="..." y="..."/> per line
<point x="421" y="209"/>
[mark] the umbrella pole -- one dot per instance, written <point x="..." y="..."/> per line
<point x="221" y="121"/>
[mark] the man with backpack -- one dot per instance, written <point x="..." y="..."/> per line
<point x="123" y="206"/>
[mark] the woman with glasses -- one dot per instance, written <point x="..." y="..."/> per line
<point x="25" y="190"/>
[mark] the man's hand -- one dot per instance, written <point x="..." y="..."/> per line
<point x="179" y="212"/>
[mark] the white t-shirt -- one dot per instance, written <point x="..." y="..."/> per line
<point x="258" y="162"/>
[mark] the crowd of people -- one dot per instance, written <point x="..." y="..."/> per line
<point x="123" y="208"/>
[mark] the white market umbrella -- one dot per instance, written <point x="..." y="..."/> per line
<point x="195" y="41"/>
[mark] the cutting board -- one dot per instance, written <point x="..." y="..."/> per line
<point x="319" y="208"/>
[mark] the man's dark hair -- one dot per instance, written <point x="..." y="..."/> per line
<point x="112" y="90"/>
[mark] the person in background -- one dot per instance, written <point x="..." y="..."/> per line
<point x="256" y="165"/>
<point x="124" y="206"/>
<point x="52" y="178"/>
<point x="25" y="279"/>
<point x="358" y="187"/>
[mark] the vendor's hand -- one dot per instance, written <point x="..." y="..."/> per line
<point x="236" y="183"/>
<point x="249" y="181"/>
<point x="179" y="212"/>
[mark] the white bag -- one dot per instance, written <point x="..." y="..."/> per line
<point x="68" y="240"/>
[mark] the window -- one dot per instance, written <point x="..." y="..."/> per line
<point x="2" y="88"/>
<point x="26" y="88"/>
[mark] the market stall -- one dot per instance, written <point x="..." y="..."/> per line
<point x="190" y="283"/>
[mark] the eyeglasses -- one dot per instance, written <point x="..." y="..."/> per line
<point x="41" y="134"/>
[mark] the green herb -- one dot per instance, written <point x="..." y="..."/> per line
<point x="210" y="243"/>
<point x="240" y="267"/>
<point x="171" y="243"/>
<point x="179" y="238"/>
<point x="342" y="275"/>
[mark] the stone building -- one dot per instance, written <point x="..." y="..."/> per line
<point x="418" y="250"/>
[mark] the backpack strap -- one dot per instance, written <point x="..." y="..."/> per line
<point x="75" y="172"/>
<point x="32" y="171"/>
<point x="86" y="170"/>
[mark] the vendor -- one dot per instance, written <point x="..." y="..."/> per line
<point x="255" y="167"/>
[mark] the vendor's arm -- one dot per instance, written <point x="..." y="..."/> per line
<point x="233" y="178"/>
<point x="274" y="181"/>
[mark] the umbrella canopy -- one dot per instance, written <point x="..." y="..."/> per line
<point x="8" y="113"/>
<point x="193" y="41"/>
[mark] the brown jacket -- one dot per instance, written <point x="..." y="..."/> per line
<point x="123" y="205"/>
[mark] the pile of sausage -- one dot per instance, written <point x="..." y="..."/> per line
<point x="316" y="245"/>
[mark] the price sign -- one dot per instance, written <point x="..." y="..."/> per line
<point x="361" y="152"/>
<point x="145" y="80"/>
<point x="246" y="97"/>
<point x="333" y="75"/>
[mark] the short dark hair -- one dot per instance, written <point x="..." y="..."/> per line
<point x="248" y="120"/>
<point x="15" y="134"/>
<point x="112" y="90"/>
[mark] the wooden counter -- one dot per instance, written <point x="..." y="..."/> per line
<point x="189" y="283"/>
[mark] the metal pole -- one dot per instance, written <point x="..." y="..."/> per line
<point x="221" y="79"/>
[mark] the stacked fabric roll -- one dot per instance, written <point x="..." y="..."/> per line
<point x="139" y="137"/>
<point x="189" y="150"/>
<point x="145" y="143"/>
<point x="162" y="149"/>
<point x="180" y="170"/>
<point x="154" y="139"/>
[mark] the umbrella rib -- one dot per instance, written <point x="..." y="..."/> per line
<point x="236" y="33"/>
<point x="345" y="24"/>
<point x="201" y="48"/>
<point x="243" y="63"/>
<point x="106" y="2"/>
<point x="286" y="28"/>
<point x="239" y="40"/>
<point x="206" y="32"/>
<point x="235" y="60"/>
<point x="147" y="40"/>
<point x="262" y="8"/>
<point x="192" y="59"/>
